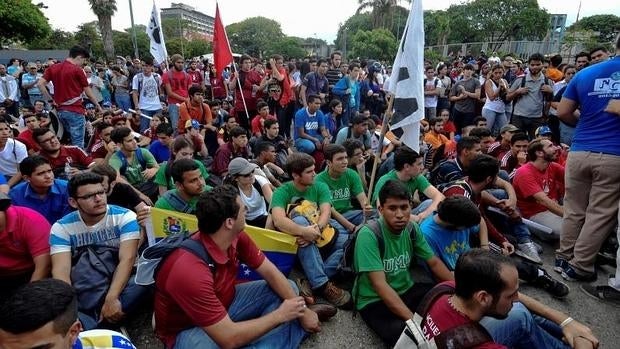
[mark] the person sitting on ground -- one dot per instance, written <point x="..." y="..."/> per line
<point x="196" y="109"/>
<point x="119" y="193"/>
<point x="435" y="136"/>
<point x="344" y="185"/>
<point x="103" y="147"/>
<point x="539" y="185"/>
<point x="105" y="232"/>
<point x="40" y="191"/>
<point x="60" y="155"/>
<point x="254" y="190"/>
<point x="155" y="121"/>
<point x="310" y="132"/>
<point x="237" y="147"/>
<point x="358" y="130"/>
<point x="258" y="122"/>
<point x="24" y="244"/>
<point x="272" y="129"/>
<point x="385" y="294"/>
<point x="192" y="134"/>
<point x="357" y="159"/>
<point x="486" y="291"/>
<point x="223" y="133"/>
<point x="31" y="121"/>
<point x="501" y="147"/>
<point x="318" y="266"/>
<point x="197" y="308"/>
<point x="189" y="184"/>
<point x="160" y="148"/>
<point x="265" y="158"/>
<point x="467" y="149"/>
<point x="408" y="169"/>
<point x="517" y="156"/>
<point x="44" y="314"/>
<point x="181" y="149"/>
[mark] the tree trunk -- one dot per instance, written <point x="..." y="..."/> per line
<point x="105" y="26"/>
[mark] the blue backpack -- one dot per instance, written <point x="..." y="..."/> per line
<point x="123" y="158"/>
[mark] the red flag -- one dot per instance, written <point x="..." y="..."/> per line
<point x="222" y="55"/>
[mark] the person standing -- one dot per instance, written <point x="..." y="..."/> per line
<point x="176" y="84"/>
<point x="464" y="94"/>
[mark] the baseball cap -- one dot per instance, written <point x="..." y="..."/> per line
<point x="241" y="166"/>
<point x="509" y="128"/>
<point x="543" y="130"/>
<point x="192" y="123"/>
<point x="89" y="106"/>
<point x="106" y="104"/>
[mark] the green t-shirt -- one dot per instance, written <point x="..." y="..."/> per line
<point x="164" y="204"/>
<point x="397" y="258"/>
<point x="161" y="180"/>
<point x="133" y="173"/>
<point x="287" y="194"/>
<point x="418" y="183"/>
<point x="342" y="189"/>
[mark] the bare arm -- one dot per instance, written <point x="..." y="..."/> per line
<point x="42" y="85"/>
<point x="566" y="110"/>
<point x="439" y="269"/>
<point x="89" y="93"/>
<point x="42" y="267"/>
<point x="389" y="297"/>
<point x="126" y="258"/>
<point x="553" y="206"/>
<point x="14" y="179"/>
<point x="302" y="95"/>
<point x="432" y="193"/>
<point x="343" y="221"/>
<point x="61" y="266"/>
<point x="288" y="226"/>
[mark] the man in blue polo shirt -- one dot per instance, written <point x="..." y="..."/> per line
<point x="310" y="132"/>
<point x="592" y="176"/>
<point x="40" y="191"/>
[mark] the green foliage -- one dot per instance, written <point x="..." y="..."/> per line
<point x="607" y="25"/>
<point x="378" y="44"/>
<point x="382" y="11"/>
<point x="104" y="10"/>
<point x="254" y="35"/>
<point x="352" y="25"/>
<point x="175" y="28"/>
<point x="289" y="47"/>
<point x="21" y="20"/>
<point x="196" y="47"/>
<point x="56" y="40"/>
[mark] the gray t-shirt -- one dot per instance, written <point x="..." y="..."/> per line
<point x="529" y="105"/>
<point x="467" y="105"/>
<point x="343" y="135"/>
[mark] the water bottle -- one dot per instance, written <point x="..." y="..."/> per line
<point x="68" y="169"/>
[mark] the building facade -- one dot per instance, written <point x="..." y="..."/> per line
<point x="199" y="23"/>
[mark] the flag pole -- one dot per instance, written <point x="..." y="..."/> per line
<point x="384" y="127"/>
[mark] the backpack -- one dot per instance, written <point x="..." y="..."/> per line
<point x="153" y="256"/>
<point x="141" y="79"/>
<point x="436" y="82"/>
<point x="468" y="335"/>
<point x="364" y="136"/>
<point x="123" y="169"/>
<point x="545" y="107"/>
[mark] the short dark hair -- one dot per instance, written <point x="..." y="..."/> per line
<point x="102" y="126"/>
<point x="536" y="57"/>
<point x="104" y="169"/>
<point x="478" y="119"/>
<point x="237" y="131"/>
<point x="76" y="51"/>
<point x="480" y="270"/>
<point x="38" y="132"/>
<point x="178" y="144"/>
<point x="519" y="136"/>
<point x="351" y="145"/>
<point x="598" y="48"/>
<point x="36" y="304"/>
<point x="482" y="167"/>
<point x="245" y="58"/>
<point x="468" y="67"/>
<point x="215" y="206"/>
<point x="312" y="98"/>
<point x="147" y="60"/>
<point x="118" y="134"/>
<point x="298" y="162"/>
<point x="321" y="61"/>
<point x="260" y="105"/>
<point x="433" y="121"/>
<point x="30" y="164"/>
<point x="555" y="60"/>
<point x="82" y="179"/>
<point x="459" y="211"/>
<point x="533" y="147"/>
<point x="331" y="56"/>
<point x="195" y="89"/>
<point x="269" y="122"/>
<point x="179" y="167"/>
<point x="393" y="189"/>
<point x="333" y="149"/>
<point x="466" y="143"/>
<point x="404" y="155"/>
<point x="334" y="103"/>
<point x="262" y="146"/>
<point x="480" y="132"/>
<point x="582" y="54"/>
<point x="164" y="128"/>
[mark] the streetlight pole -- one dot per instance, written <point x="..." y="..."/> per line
<point x="134" y="40"/>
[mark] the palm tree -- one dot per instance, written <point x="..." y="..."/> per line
<point x="381" y="10"/>
<point x="104" y="10"/>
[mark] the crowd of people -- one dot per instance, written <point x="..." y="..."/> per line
<point x="510" y="153"/>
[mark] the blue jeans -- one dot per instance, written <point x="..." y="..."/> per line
<point x="566" y="134"/>
<point x="317" y="270"/>
<point x="495" y="120"/>
<point x="519" y="230"/>
<point x="305" y="145"/>
<point x="252" y="300"/>
<point x="123" y="101"/>
<point x="173" y="114"/>
<point x="145" y="123"/>
<point x="522" y="330"/>
<point x="357" y="216"/>
<point x="74" y="123"/>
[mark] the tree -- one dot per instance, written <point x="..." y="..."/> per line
<point x="253" y="35"/>
<point x="377" y="44"/>
<point x="607" y="25"/>
<point x="104" y="10"/>
<point x="382" y="11"/>
<point x="289" y="47"/>
<point x="22" y="21"/>
<point x="176" y="28"/>
<point x="197" y="47"/>
<point x="56" y="40"/>
<point x="88" y="36"/>
<point x="352" y="25"/>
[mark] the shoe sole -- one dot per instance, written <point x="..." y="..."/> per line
<point x="585" y="279"/>
<point x="524" y="256"/>
<point x="617" y="305"/>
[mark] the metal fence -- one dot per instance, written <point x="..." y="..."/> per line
<point x="522" y="49"/>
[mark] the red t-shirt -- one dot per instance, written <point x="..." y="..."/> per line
<point x="257" y="124"/>
<point x="529" y="181"/>
<point x="251" y="78"/>
<point x="224" y="154"/>
<point x="72" y="154"/>
<point x="509" y="163"/>
<point x="196" y="76"/>
<point x="180" y="83"/>
<point x="442" y="317"/>
<point x="188" y="295"/>
<point x="448" y="127"/>
<point x="69" y="83"/>
<point x="26" y="236"/>
<point x="498" y="150"/>
<point x="26" y="137"/>
<point x="98" y="151"/>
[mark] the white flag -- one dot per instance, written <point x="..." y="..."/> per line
<point x="407" y="80"/>
<point x="155" y="33"/>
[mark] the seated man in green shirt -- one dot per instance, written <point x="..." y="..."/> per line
<point x="135" y="165"/>
<point x="384" y="292"/>
<point x="344" y="184"/>
<point x="408" y="166"/>
<point x="318" y="265"/>
<point x="189" y="184"/>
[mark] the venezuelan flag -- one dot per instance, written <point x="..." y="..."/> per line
<point x="102" y="339"/>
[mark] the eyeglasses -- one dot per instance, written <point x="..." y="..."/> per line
<point x="274" y="91"/>
<point x="47" y="140"/>
<point x="92" y="195"/>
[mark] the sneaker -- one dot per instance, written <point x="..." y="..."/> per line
<point x="305" y="290"/>
<point x="560" y="264"/>
<point x="570" y="274"/>
<point x="528" y="251"/>
<point x="539" y="248"/>
<point x="556" y="288"/>
<point x="337" y="296"/>
<point x="602" y="292"/>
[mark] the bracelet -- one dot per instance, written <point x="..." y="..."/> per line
<point x="484" y="245"/>
<point x="566" y="322"/>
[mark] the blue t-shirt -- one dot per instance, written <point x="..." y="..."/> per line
<point x="53" y="206"/>
<point x="311" y="123"/>
<point x="159" y="151"/>
<point x="593" y="88"/>
<point x="447" y="244"/>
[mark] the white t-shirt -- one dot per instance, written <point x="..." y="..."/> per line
<point x="149" y="93"/>
<point x="431" y="101"/>
<point x="10" y="157"/>
<point x="255" y="202"/>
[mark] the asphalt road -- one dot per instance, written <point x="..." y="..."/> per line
<point x="346" y="331"/>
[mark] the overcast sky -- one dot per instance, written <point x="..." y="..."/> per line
<point x="303" y="18"/>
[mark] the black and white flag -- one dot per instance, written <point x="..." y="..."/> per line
<point x="155" y="33"/>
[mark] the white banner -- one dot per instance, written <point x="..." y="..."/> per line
<point x="156" y="34"/>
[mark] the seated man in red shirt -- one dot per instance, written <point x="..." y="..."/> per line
<point x="24" y="246"/>
<point x="498" y="149"/>
<point x="516" y="156"/>
<point x="539" y="185"/>
<point x="195" y="308"/>
<point x="258" y="127"/>
<point x="486" y="292"/>
<point x="61" y="155"/>
<point x="25" y="136"/>
<point x="237" y="147"/>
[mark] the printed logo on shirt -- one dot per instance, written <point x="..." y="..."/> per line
<point x="397" y="263"/>
<point x="607" y="87"/>
<point x="341" y="194"/>
<point x="312" y="125"/>
<point x="108" y="235"/>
